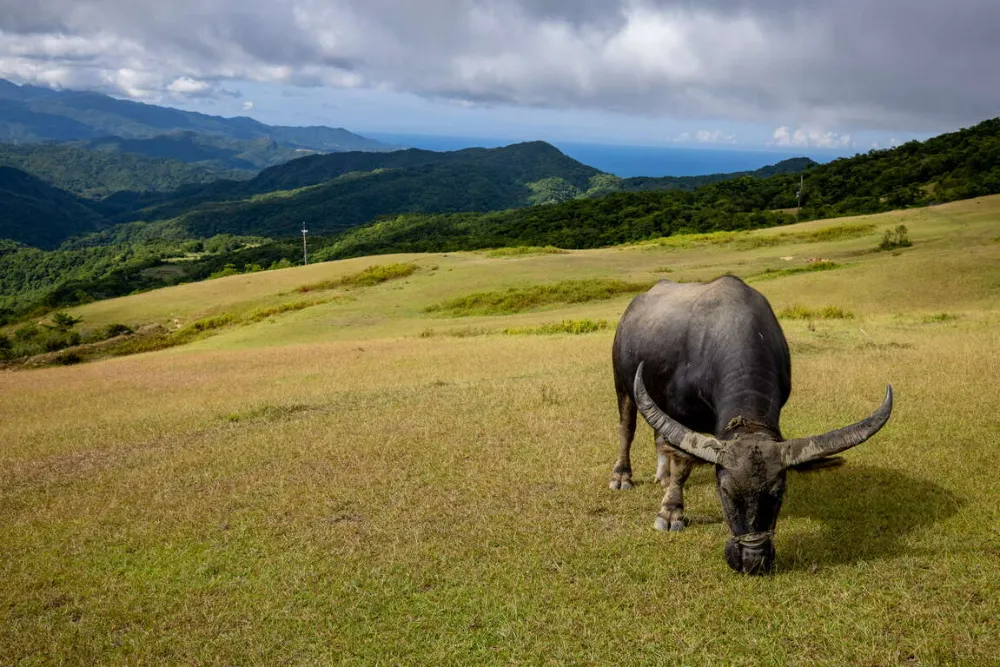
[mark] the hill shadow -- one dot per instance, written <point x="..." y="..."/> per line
<point x="866" y="513"/>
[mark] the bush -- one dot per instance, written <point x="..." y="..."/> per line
<point x="64" y="321"/>
<point x="116" y="329"/>
<point x="68" y="358"/>
<point x="26" y="332"/>
<point x="895" y="238"/>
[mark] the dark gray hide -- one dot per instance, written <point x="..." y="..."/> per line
<point x="713" y="359"/>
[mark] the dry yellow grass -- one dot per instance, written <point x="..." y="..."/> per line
<point x="329" y="487"/>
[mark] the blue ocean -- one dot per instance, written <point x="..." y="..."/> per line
<point x="626" y="161"/>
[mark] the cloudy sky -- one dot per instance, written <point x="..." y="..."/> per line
<point x="842" y="74"/>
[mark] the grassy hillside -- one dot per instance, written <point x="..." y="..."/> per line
<point x="363" y="481"/>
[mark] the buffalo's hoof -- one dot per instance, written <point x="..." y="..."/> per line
<point x="620" y="484"/>
<point x="672" y="526"/>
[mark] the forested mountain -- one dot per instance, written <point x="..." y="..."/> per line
<point x="35" y="213"/>
<point x="337" y="191"/>
<point x="95" y="174"/>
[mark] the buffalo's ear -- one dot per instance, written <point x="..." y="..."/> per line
<point x="819" y="464"/>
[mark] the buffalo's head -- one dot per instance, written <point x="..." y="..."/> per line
<point x="750" y="472"/>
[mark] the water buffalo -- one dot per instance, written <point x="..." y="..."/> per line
<point x="699" y="358"/>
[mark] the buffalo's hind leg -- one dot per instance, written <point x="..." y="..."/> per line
<point x="672" y="471"/>
<point x="622" y="474"/>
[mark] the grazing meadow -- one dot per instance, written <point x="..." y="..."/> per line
<point x="409" y="465"/>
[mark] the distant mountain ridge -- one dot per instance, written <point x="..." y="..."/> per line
<point x="34" y="114"/>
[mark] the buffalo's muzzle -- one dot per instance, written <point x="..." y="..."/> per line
<point x="746" y="559"/>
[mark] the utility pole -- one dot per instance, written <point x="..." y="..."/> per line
<point x="305" y="251"/>
<point x="798" y="196"/>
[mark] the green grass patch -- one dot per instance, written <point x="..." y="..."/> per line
<point x="564" y="327"/>
<point x="769" y="274"/>
<point x="268" y="412"/>
<point x="463" y="332"/>
<point x="205" y="327"/>
<point x="824" y="313"/>
<point x="373" y="275"/>
<point x="749" y="240"/>
<point x="938" y="318"/>
<point x="524" y="251"/>
<point x="519" y="299"/>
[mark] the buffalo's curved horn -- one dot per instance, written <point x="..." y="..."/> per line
<point x="802" y="450"/>
<point x="679" y="436"/>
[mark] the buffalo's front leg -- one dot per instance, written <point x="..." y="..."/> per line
<point x="621" y="477"/>
<point x="672" y="470"/>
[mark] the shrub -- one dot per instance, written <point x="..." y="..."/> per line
<point x="116" y="329"/>
<point x="227" y="270"/>
<point x="64" y="321"/>
<point x="26" y="332"/>
<point x="895" y="238"/>
<point x="68" y="358"/>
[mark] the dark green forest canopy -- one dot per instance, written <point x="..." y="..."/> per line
<point x="95" y="174"/>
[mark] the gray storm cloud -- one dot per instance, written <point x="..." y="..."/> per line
<point x="914" y="65"/>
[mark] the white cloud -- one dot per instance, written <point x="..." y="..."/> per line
<point x="809" y="138"/>
<point x="850" y="63"/>
<point x="714" y="137"/>
<point x="188" y="87"/>
<point x="248" y="106"/>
